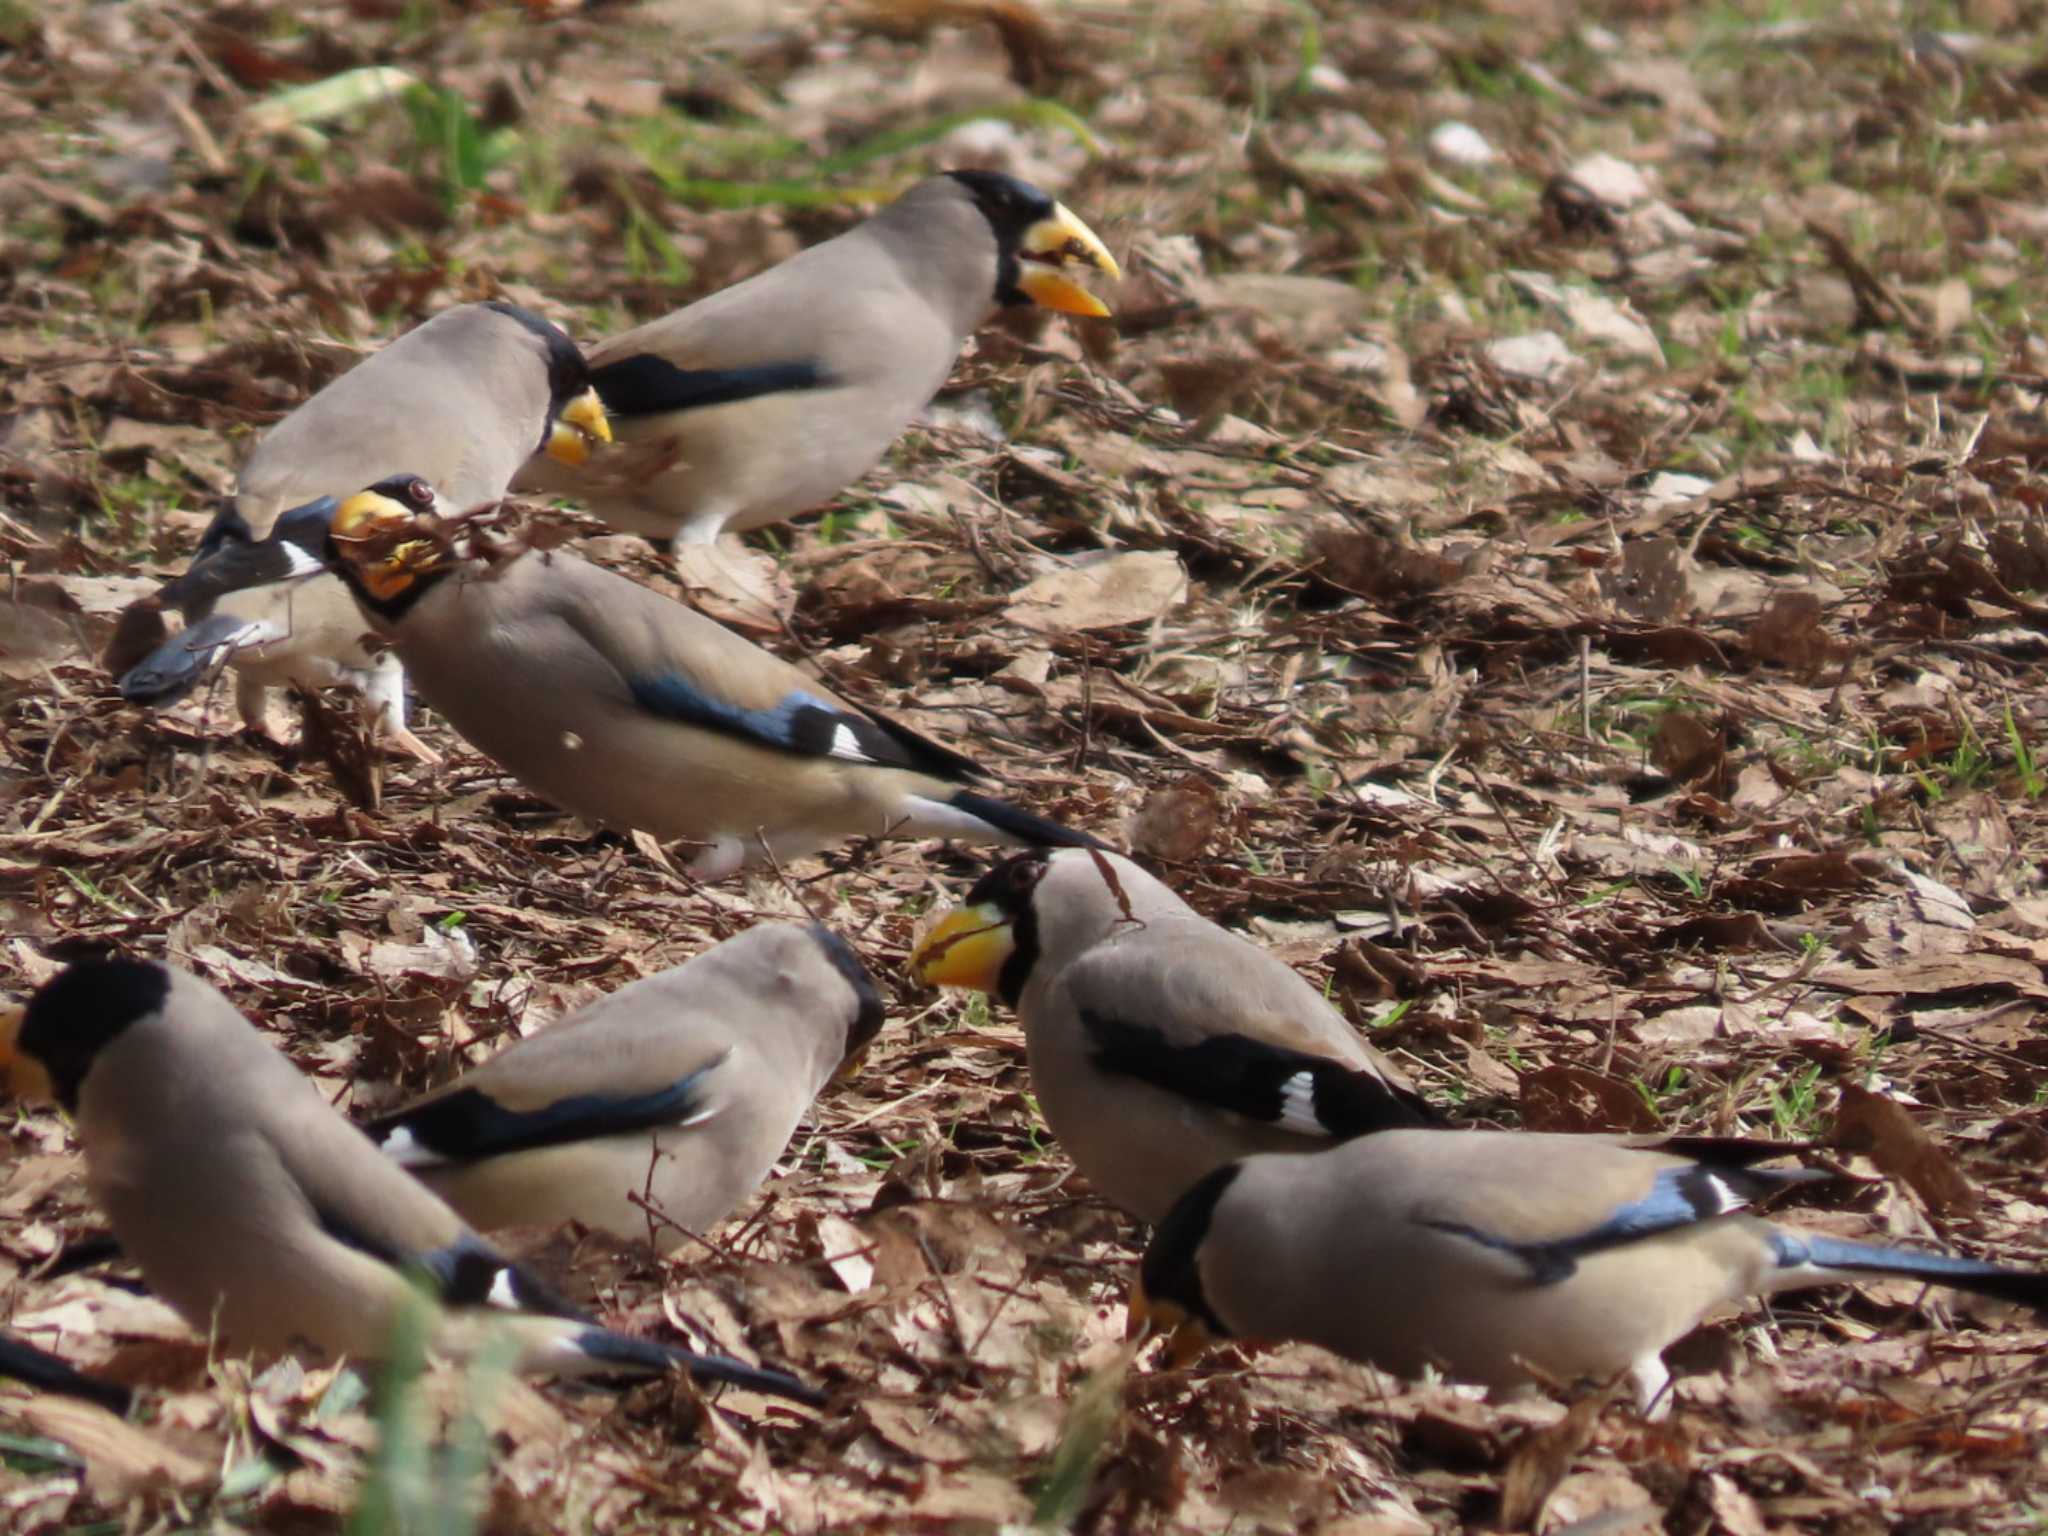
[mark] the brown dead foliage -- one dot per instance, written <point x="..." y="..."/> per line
<point x="1580" y="595"/>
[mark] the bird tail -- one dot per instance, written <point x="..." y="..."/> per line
<point x="174" y="668"/>
<point x="593" y="1351"/>
<point x="961" y="813"/>
<point x="1805" y="1259"/>
<point x="25" y="1363"/>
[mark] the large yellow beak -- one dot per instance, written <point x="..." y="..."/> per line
<point x="365" y="529"/>
<point x="1060" y="240"/>
<point x="967" y="949"/>
<point x="1187" y="1336"/>
<point x="579" y="424"/>
<point x="24" y="1075"/>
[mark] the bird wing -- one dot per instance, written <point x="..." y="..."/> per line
<point x="681" y="666"/>
<point x="1548" y="1202"/>
<point x="232" y="566"/>
<point x="467" y="1123"/>
<point x="1271" y="1084"/>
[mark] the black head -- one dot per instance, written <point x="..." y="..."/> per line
<point x="81" y="1011"/>
<point x="306" y="526"/>
<point x="568" y="371"/>
<point x="1009" y="888"/>
<point x="1171" y="1271"/>
<point x="414" y="491"/>
<point x="373" y="540"/>
<point x="869" y="1008"/>
<point x="1013" y="208"/>
<point x="1038" y="244"/>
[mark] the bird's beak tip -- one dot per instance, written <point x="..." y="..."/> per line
<point x="1056" y="242"/>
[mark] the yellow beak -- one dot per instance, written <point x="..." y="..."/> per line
<point x="579" y="424"/>
<point x="1061" y="240"/>
<point x="967" y="949"/>
<point x="1187" y="1337"/>
<point x="363" y="529"/>
<point x="25" y="1076"/>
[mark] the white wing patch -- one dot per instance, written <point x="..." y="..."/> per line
<point x="847" y="745"/>
<point x="1726" y="1198"/>
<point x="502" y="1292"/>
<point x="301" y="561"/>
<point x="404" y="1149"/>
<point x="1298" y="1105"/>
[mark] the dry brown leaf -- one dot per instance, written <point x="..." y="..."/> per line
<point x="1100" y="593"/>
<point x="120" y="1459"/>
<point x="1880" y="1127"/>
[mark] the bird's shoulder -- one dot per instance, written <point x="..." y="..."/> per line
<point x="1193" y="980"/>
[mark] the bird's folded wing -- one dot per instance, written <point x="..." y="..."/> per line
<point x="469" y="1123"/>
<point x="233" y="567"/>
<point x="1271" y="1084"/>
<point x="1564" y="1215"/>
<point x="643" y="384"/>
<point x="681" y="666"/>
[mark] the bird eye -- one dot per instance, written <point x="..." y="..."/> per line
<point x="419" y="493"/>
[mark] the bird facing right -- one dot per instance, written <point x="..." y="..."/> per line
<point x="253" y="1208"/>
<point x="768" y="398"/>
<point x="681" y="1090"/>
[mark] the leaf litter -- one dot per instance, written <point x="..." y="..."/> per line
<point x="1581" y="602"/>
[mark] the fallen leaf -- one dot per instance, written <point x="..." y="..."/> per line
<point x="1102" y="592"/>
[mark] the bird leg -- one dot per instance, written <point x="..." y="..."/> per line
<point x="384" y="687"/>
<point x="1652" y="1383"/>
<point x="252" y="702"/>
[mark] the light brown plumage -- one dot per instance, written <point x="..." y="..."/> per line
<point x="682" y="1089"/>
<point x="1160" y="1044"/>
<point x="253" y="1208"/>
<point x="636" y="711"/>
<point x="767" y="398"/>
<point x="1505" y="1258"/>
<point x="463" y="400"/>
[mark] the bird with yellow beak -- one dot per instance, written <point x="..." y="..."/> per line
<point x="1160" y="1044"/>
<point x="262" y="1216"/>
<point x="463" y="401"/>
<point x="768" y="398"/>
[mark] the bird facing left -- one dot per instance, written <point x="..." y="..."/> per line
<point x="635" y="711"/>
<point x="462" y="400"/>
<point x="254" y="1208"/>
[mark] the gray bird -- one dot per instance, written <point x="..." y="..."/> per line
<point x="462" y="400"/>
<point x="254" y="1208"/>
<point x="768" y="398"/>
<point x="634" y="710"/>
<point x="1160" y="1045"/>
<point x="683" y="1088"/>
<point x="1505" y="1258"/>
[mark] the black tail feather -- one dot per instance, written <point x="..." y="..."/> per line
<point x="174" y="668"/>
<point x="39" y="1368"/>
<point x="2027" y="1288"/>
<point x="631" y="1354"/>
<point x="1015" y="821"/>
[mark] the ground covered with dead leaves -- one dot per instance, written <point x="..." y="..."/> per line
<point x="1550" y="542"/>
